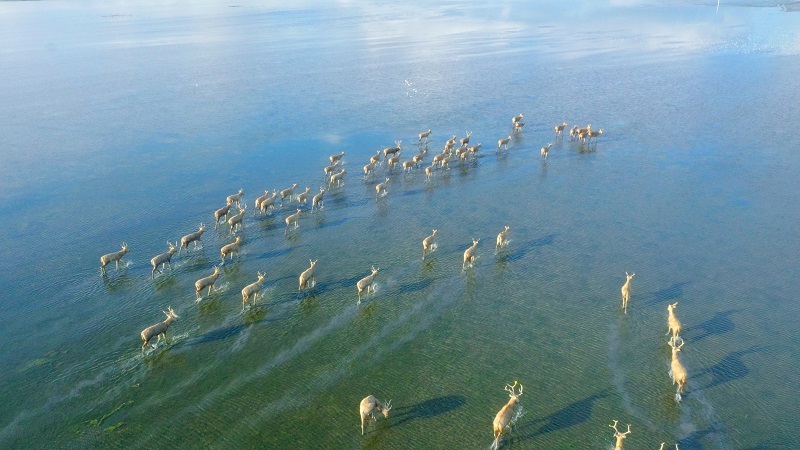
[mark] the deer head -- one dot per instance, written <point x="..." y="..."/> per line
<point x="511" y="390"/>
<point x="386" y="407"/>
<point x="170" y="313"/>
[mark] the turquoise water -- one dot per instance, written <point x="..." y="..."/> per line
<point x="134" y="122"/>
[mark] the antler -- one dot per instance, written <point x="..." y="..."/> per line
<point x="614" y="426"/>
<point x="387" y="405"/>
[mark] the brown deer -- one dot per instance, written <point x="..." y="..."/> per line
<point x="368" y="407"/>
<point x="516" y="118"/>
<point x="158" y="330"/>
<point x="164" y="258"/>
<point x="619" y="436"/>
<point x="626" y="291"/>
<point x="115" y="257"/>
<point x="503" y="417"/>
<point x="392" y="150"/>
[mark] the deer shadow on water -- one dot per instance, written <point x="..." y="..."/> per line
<point x="731" y="368"/>
<point x="426" y="409"/>
<point x="716" y="325"/>
<point x="520" y="250"/>
<point x="573" y="414"/>
<point x="665" y="295"/>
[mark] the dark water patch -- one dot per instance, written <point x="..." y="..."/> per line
<point x="573" y="414"/>
<point x="415" y="286"/>
<point x="275" y="253"/>
<point x="426" y="409"/>
<point x="322" y="223"/>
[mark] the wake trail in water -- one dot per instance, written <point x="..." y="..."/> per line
<point x="618" y="374"/>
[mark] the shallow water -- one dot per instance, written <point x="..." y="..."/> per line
<point x="133" y="123"/>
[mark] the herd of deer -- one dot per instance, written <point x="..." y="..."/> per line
<point x="307" y="279"/>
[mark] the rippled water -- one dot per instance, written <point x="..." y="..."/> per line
<point x="134" y="122"/>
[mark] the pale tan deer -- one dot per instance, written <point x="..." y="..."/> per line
<point x="516" y="118"/>
<point x="429" y="172"/>
<point x="408" y="166"/>
<point x="303" y="196"/>
<point x="336" y="158"/>
<point x="449" y="145"/>
<point x="503" y="143"/>
<point x="291" y="219"/>
<point x="673" y="322"/>
<point x="260" y="199"/>
<point x="429" y="243"/>
<point x="424" y="135"/>
<point x="417" y="159"/>
<point x="337" y="178"/>
<point x="380" y="189"/>
<point x="369" y="169"/>
<point x="235" y="221"/>
<point x="392" y="162"/>
<point x="626" y="291"/>
<point x="206" y="282"/>
<point x="503" y="417"/>
<point x="465" y="140"/>
<point x="518" y="127"/>
<point x="308" y="279"/>
<point x="546" y="150"/>
<point x="593" y="134"/>
<point x="329" y="169"/>
<point x="192" y="237"/>
<point x="375" y="159"/>
<point x="502" y="240"/>
<point x="269" y="203"/>
<point x="469" y="255"/>
<point x="677" y="371"/>
<point x="367" y="283"/>
<point x="114" y="257"/>
<point x="368" y="407"/>
<point x="560" y="129"/>
<point x="619" y="436"/>
<point x="164" y="258"/>
<point x="236" y="198"/>
<point x="318" y="201"/>
<point x="252" y="290"/>
<point x="222" y="213"/>
<point x="288" y="192"/>
<point x="158" y="330"/>
<point x="474" y="149"/>
<point x="573" y="132"/>
<point x="230" y="249"/>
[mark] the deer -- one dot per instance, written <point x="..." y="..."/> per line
<point x="560" y="129"/>
<point x="445" y="164"/>
<point x="418" y="158"/>
<point x="503" y="417"/>
<point x="450" y="144"/>
<point x="336" y="178"/>
<point x="461" y="152"/>
<point x="368" y="406"/>
<point x="380" y="189"/>
<point x="503" y="143"/>
<point x="291" y="219"/>
<point x="465" y="140"/>
<point x="288" y="192"/>
<point x="164" y="258"/>
<point x="429" y="172"/>
<point x="626" y="291"/>
<point x="308" y="279"/>
<point x="336" y="158"/>
<point x="469" y="255"/>
<point x="664" y="443"/>
<point x="318" y="200"/>
<point x="673" y="322"/>
<point x="546" y="150"/>
<point x="369" y="169"/>
<point x="429" y="244"/>
<point x="392" y="150"/>
<point x="619" y="436"/>
<point x="269" y="203"/>
<point x="437" y="159"/>
<point x="158" y="330"/>
<point x="303" y="196"/>
<point x="408" y="166"/>
<point x="222" y="213"/>
<point x="518" y="127"/>
<point x="253" y="290"/>
<point x="424" y="135"/>
<point x="329" y="169"/>
<point x="391" y="162"/>
<point x="192" y="237"/>
<point x="502" y="240"/>
<point x="230" y="249"/>
<point x="236" y="198"/>
<point x="677" y="371"/>
<point x="593" y="134"/>
<point x="236" y="220"/>
<point x="375" y="159"/>
<point x="366" y="283"/>
<point x="573" y="132"/>
<point x="114" y="257"/>
<point x="516" y="119"/>
<point x="260" y="199"/>
<point x="206" y="282"/>
<point x="474" y="149"/>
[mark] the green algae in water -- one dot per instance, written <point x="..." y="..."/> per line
<point x="98" y="422"/>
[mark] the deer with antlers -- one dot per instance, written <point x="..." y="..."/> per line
<point x="368" y="407"/>
<point x="626" y="291"/>
<point x="252" y="290"/>
<point x="230" y="249"/>
<point x="236" y="220"/>
<point x="318" y="201"/>
<point x="429" y="243"/>
<point x="164" y="258"/>
<point x="469" y="255"/>
<point x="206" y="282"/>
<point x="192" y="237"/>
<point x="158" y="330"/>
<point x="673" y="322"/>
<point x="619" y="436"/>
<point x="114" y="257"/>
<point x="236" y="198"/>
<point x="502" y="240"/>
<point x="677" y="371"/>
<point x="367" y="283"/>
<point x="503" y="418"/>
<point x="308" y="279"/>
<point x="222" y="213"/>
<point x="392" y="150"/>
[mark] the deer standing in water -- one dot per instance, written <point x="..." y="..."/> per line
<point x="366" y="283"/>
<point x="368" y="406"/>
<point x="260" y="199"/>
<point x="236" y="198"/>
<point x="619" y="436"/>
<point x="236" y="220"/>
<point x="503" y="417"/>
<point x="303" y="196"/>
<point x="626" y="291"/>
<point x="429" y="243"/>
<point x="268" y="204"/>
<point x="253" y="290"/>
<point x="677" y="371"/>
<point x="502" y="240"/>
<point x="546" y="150"/>
<point x="230" y="249"/>
<point x="503" y="143"/>
<point x="222" y="213"/>
<point x="474" y="149"/>
<point x="465" y="140"/>
<point x="192" y="237"/>
<point x="164" y="258"/>
<point x="336" y="158"/>
<point x="380" y="189"/>
<point x="206" y="282"/>
<point x="560" y="129"/>
<point x="369" y="169"/>
<point x="673" y="322"/>
<point x="158" y="330"/>
<point x="115" y="257"/>
<point x="336" y="178"/>
<point x="308" y="279"/>
<point x="516" y="119"/>
<point x="318" y="201"/>
<point x="424" y="135"/>
<point x="288" y="192"/>
<point x="392" y="150"/>
<point x="329" y="169"/>
<point x="291" y="219"/>
<point x="469" y="255"/>
<point x="518" y="127"/>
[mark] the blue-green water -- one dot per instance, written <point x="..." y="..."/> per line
<point x="134" y="122"/>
